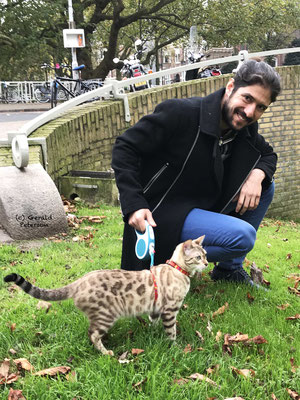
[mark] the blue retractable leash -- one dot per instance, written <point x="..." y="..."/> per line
<point x="144" y="248"/>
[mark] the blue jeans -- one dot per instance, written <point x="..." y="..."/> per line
<point x="228" y="238"/>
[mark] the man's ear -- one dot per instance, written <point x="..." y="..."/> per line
<point x="229" y="87"/>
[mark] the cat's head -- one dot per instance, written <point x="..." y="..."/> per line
<point x="191" y="256"/>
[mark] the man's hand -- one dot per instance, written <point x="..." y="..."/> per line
<point x="137" y="219"/>
<point x="249" y="196"/>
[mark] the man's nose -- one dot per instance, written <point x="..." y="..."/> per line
<point x="250" y="110"/>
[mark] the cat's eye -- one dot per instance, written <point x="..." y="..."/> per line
<point x="198" y="257"/>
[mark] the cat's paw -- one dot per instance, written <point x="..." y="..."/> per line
<point x="108" y="353"/>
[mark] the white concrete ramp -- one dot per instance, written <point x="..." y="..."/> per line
<point x="30" y="204"/>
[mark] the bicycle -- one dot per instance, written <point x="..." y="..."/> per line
<point x="9" y="94"/>
<point x="59" y="88"/>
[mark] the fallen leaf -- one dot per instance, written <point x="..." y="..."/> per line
<point x="43" y="305"/>
<point x="250" y="298"/>
<point x="239" y="337"/>
<point x="293" y="365"/>
<point x="22" y="363"/>
<point x="246" y="373"/>
<point x="213" y="369"/>
<point x="288" y="256"/>
<point x="13" y="326"/>
<point x="294" y="395"/>
<point x="15" y="395"/>
<point x="218" y="336"/>
<point x="220" y="310"/>
<point x="234" y="398"/>
<point x="204" y="378"/>
<point x="71" y="376"/>
<point x="53" y="371"/>
<point x="258" y="340"/>
<point x="200" y="336"/>
<point x="138" y="385"/>
<point x="283" y="306"/>
<point x="187" y="349"/>
<point x="12" y="351"/>
<point x="294" y="291"/>
<point x="6" y="377"/>
<point x="209" y="327"/>
<point x="181" y="381"/>
<point x="273" y="396"/>
<point x="296" y="316"/>
<point x="136" y="352"/>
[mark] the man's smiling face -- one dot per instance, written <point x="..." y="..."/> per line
<point x="244" y="106"/>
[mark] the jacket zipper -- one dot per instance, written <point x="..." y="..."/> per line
<point x="155" y="177"/>
<point x="180" y="172"/>
<point x="240" y="185"/>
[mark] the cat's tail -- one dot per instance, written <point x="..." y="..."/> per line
<point x="43" y="294"/>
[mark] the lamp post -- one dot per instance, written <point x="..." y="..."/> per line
<point x="75" y="74"/>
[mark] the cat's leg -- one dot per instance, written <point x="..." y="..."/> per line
<point x="96" y="331"/>
<point x="169" y="321"/>
<point x="154" y="318"/>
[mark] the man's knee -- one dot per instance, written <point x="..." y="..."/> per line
<point x="246" y="236"/>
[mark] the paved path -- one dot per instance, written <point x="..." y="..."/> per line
<point x="13" y="116"/>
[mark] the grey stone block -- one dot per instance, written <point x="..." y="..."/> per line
<point x="30" y="204"/>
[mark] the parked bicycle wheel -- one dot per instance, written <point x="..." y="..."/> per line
<point x="62" y="95"/>
<point x="12" y="95"/>
<point x="42" y="94"/>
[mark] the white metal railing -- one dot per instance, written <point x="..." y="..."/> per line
<point x="116" y="88"/>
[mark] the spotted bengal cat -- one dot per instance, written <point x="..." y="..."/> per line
<point x="106" y="295"/>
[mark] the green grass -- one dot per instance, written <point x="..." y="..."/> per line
<point x="59" y="337"/>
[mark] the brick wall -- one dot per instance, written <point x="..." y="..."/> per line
<point x="82" y="139"/>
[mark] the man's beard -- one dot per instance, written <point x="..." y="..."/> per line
<point x="227" y="116"/>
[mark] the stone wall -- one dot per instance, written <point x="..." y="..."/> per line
<point x="82" y="139"/>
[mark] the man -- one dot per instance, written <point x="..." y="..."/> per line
<point x="198" y="166"/>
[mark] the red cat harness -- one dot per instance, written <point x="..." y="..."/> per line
<point x="172" y="264"/>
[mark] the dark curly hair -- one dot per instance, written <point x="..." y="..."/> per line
<point x="256" y="72"/>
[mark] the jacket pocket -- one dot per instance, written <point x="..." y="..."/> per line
<point x="155" y="177"/>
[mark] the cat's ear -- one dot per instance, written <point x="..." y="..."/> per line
<point x="199" y="240"/>
<point x="187" y="246"/>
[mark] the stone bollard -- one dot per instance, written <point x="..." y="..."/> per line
<point x="30" y="204"/>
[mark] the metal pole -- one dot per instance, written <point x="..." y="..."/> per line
<point x="75" y="74"/>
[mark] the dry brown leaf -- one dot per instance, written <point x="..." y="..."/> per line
<point x="220" y="310"/>
<point x="136" y="352"/>
<point x="43" y="305"/>
<point x="218" y="336"/>
<point x="200" y="336"/>
<point x="209" y="327"/>
<point x="288" y="256"/>
<point x="181" y="381"/>
<point x="258" y="340"/>
<point x="187" y="349"/>
<point x="6" y="377"/>
<point x="12" y="351"/>
<point x="293" y="394"/>
<point x="283" y="306"/>
<point x="246" y="373"/>
<point x="138" y="385"/>
<point x="53" y="371"/>
<point x="250" y="298"/>
<point x="234" y="398"/>
<point x="239" y="337"/>
<point x="213" y="369"/>
<point x="15" y="395"/>
<point x="293" y="365"/>
<point x="13" y="326"/>
<point x="296" y="316"/>
<point x="204" y="378"/>
<point x="294" y="291"/>
<point x="273" y="396"/>
<point x="22" y="363"/>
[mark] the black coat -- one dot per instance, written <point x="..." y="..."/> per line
<point x="170" y="162"/>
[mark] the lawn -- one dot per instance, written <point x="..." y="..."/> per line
<point x="233" y="341"/>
